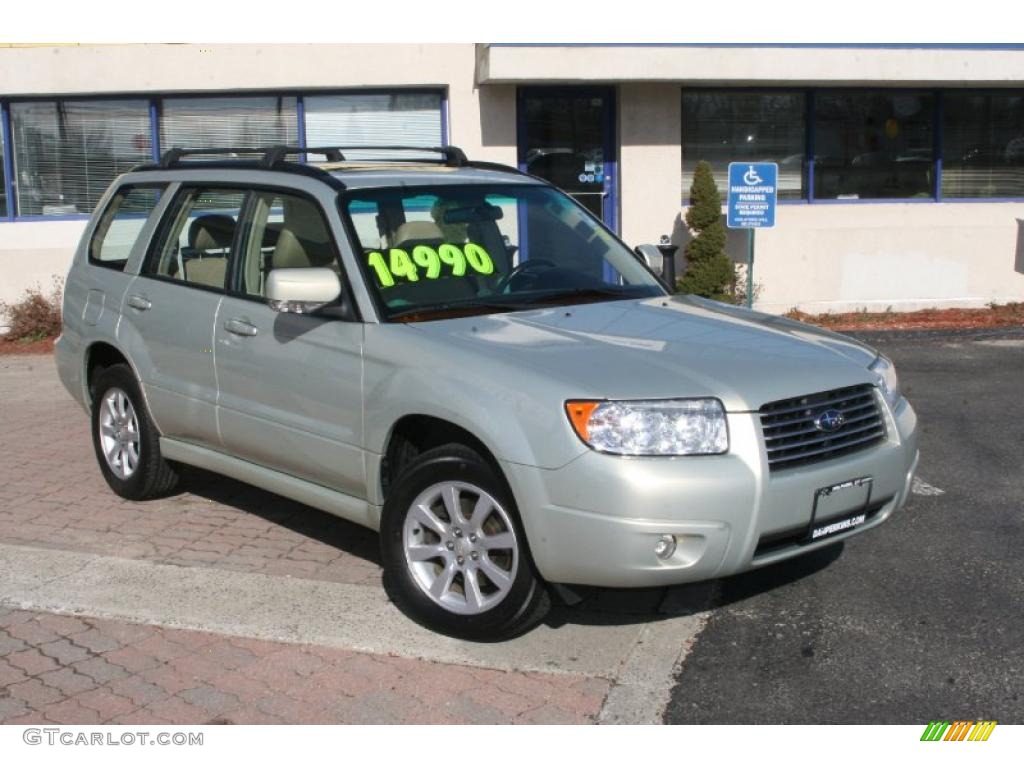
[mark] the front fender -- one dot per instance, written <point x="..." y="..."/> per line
<point x="517" y="414"/>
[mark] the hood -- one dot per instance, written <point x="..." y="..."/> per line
<point x="673" y="346"/>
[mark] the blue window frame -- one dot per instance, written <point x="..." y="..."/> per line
<point x="567" y="136"/>
<point x="228" y="121"/>
<point x="66" y="152"/>
<point x="866" y="145"/>
<point x="754" y="126"/>
<point x="406" y="118"/>
<point x="6" y="190"/>
<point x="38" y="146"/>
<point x="983" y="145"/>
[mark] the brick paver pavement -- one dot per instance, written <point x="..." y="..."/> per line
<point x="53" y="495"/>
<point x="76" y="670"/>
<point x="66" y="670"/>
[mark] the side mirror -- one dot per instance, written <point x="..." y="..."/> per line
<point x="302" y="289"/>
<point x="651" y="256"/>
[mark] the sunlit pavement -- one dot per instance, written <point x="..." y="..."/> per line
<point x="226" y="603"/>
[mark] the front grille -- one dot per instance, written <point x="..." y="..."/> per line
<point x="792" y="439"/>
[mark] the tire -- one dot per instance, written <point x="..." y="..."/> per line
<point x="125" y="439"/>
<point x="481" y="591"/>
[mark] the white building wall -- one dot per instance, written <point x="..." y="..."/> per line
<point x="32" y="253"/>
<point x="904" y="255"/>
<point x="650" y="161"/>
<point x="755" y="65"/>
<point x="819" y="258"/>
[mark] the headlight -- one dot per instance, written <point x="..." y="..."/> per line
<point x="651" y="427"/>
<point x="885" y="377"/>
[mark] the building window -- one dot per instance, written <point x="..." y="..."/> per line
<point x="732" y="126"/>
<point x="3" y="178"/>
<point x="874" y="145"/>
<point x="983" y="144"/>
<point x="66" y="153"/>
<point x="256" y="121"/>
<point x="409" y="119"/>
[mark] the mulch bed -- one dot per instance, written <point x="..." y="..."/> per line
<point x="995" y="316"/>
<point x="41" y="347"/>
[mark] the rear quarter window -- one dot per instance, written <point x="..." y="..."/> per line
<point x="121" y="224"/>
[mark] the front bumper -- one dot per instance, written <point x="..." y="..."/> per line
<point x="596" y="520"/>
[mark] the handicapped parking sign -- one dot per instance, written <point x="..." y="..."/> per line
<point x="753" y="191"/>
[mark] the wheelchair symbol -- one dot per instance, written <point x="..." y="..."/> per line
<point x="750" y="178"/>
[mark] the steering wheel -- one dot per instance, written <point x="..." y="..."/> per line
<point x="524" y="267"/>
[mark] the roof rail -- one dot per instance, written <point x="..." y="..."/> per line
<point x="452" y="156"/>
<point x="172" y="156"/>
<point x="273" y="156"/>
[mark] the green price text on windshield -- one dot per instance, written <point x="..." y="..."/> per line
<point x="429" y="263"/>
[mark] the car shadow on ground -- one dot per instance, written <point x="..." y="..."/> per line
<point x="613" y="607"/>
<point x="304" y="520"/>
<point x="589" y="606"/>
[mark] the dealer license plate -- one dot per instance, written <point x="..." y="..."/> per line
<point x="839" y="508"/>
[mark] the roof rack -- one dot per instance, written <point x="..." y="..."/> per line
<point x="271" y="157"/>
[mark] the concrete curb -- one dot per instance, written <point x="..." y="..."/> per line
<point x="638" y="658"/>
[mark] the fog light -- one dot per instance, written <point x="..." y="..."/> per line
<point x="665" y="547"/>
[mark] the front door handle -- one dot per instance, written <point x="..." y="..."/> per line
<point x="140" y="303"/>
<point x="239" y="327"/>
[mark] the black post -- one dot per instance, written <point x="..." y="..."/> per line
<point x="668" y="257"/>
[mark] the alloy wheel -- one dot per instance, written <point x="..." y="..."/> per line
<point x="460" y="547"/>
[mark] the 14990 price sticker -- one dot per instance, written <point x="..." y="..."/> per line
<point x="429" y="263"/>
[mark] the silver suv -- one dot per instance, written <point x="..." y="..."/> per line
<point x="458" y="355"/>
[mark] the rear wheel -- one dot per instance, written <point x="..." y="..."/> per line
<point x="454" y="553"/>
<point x="126" y="441"/>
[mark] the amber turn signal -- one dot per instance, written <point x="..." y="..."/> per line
<point x="579" y="412"/>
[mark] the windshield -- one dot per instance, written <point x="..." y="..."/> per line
<point x="444" y="251"/>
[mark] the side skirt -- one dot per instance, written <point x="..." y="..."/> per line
<point x="342" y="505"/>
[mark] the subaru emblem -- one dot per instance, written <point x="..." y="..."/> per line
<point x="829" y="421"/>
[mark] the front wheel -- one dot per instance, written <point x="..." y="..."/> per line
<point x="454" y="554"/>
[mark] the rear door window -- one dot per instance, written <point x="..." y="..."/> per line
<point x="121" y="224"/>
<point x="198" y="237"/>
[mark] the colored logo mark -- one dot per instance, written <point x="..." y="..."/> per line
<point x="959" y="730"/>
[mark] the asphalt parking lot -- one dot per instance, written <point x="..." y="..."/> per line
<point x="919" y="620"/>
<point x="223" y="603"/>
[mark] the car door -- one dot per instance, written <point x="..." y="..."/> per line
<point x="171" y="306"/>
<point x="290" y="384"/>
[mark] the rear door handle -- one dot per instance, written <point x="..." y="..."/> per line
<point x="140" y="303"/>
<point x="239" y="327"/>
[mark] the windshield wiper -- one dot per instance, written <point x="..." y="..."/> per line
<point x="459" y="307"/>
<point x="554" y="296"/>
<point x="560" y="295"/>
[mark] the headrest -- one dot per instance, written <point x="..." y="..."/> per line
<point x="211" y="232"/>
<point x="417" y="231"/>
<point x="305" y="220"/>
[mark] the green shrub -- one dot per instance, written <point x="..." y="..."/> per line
<point x="37" y="315"/>
<point x="709" y="272"/>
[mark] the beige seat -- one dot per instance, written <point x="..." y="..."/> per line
<point x="304" y="240"/>
<point x="210" y="233"/>
<point x="413" y="233"/>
